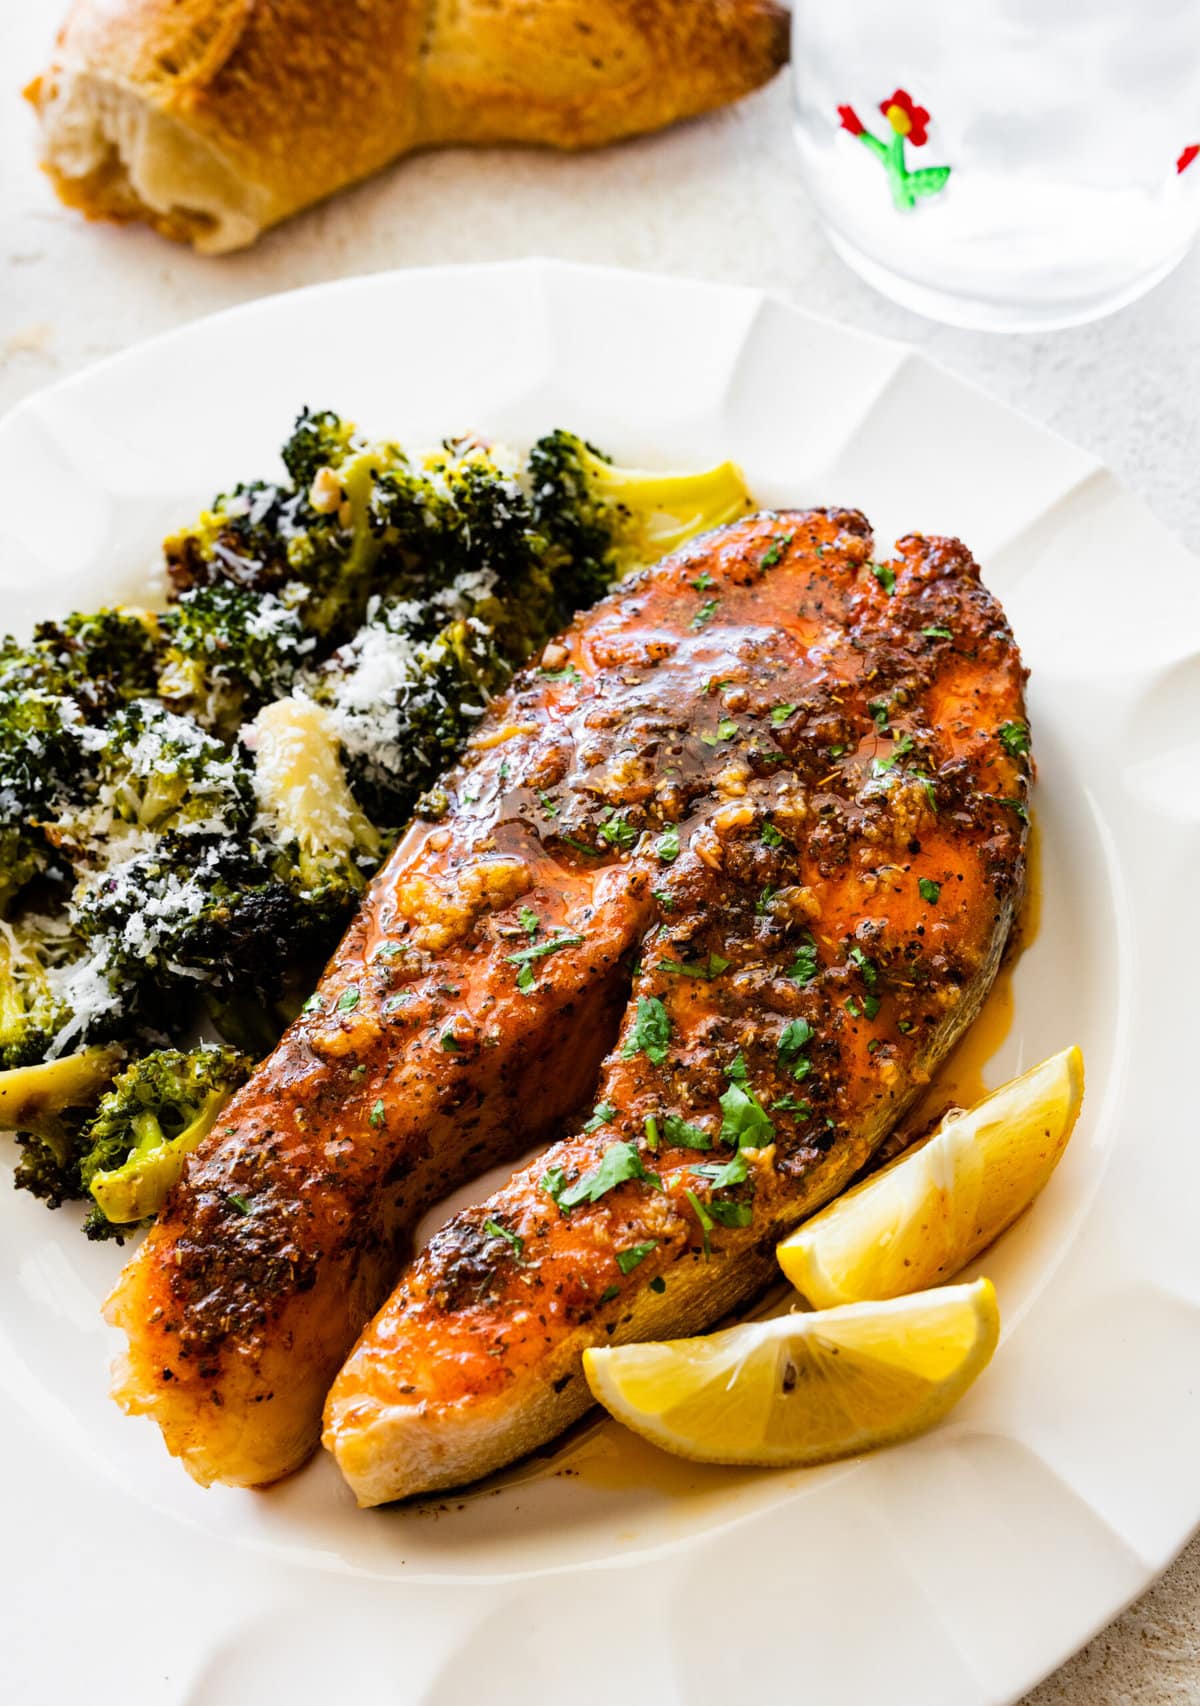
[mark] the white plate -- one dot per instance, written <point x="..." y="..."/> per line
<point x="954" y="1570"/>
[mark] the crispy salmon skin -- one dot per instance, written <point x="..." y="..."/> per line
<point x="811" y="768"/>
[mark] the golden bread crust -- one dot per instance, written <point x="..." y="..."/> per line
<point x="212" y="119"/>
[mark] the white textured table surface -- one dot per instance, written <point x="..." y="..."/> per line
<point x="721" y="200"/>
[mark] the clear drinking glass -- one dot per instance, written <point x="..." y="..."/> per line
<point x="1009" y="164"/>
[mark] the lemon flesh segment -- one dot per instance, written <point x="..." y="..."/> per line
<point x="806" y="1388"/>
<point x="922" y="1218"/>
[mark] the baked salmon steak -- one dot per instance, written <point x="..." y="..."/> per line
<point x="806" y="771"/>
<point x="736" y="771"/>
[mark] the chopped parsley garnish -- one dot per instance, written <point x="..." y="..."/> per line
<point x="705" y="613"/>
<point x="616" y="830"/>
<point x="627" y="1260"/>
<point x="665" y="900"/>
<point x="731" y="1213"/>
<point x="570" y="673"/>
<point x="771" y="836"/>
<point x="601" y="1114"/>
<point x="651" y="1032"/>
<point x="667" y="845"/>
<point x="539" y="950"/>
<point x="348" y="999"/>
<point x="805" y="966"/>
<point x="880" y="766"/>
<point x="498" y="1231"/>
<point x="836" y="751"/>
<point x="619" y="1163"/>
<point x="904" y="1026"/>
<point x="529" y="921"/>
<point x="930" y="891"/>
<point x="314" y="1004"/>
<point x="852" y="1007"/>
<point x="609" y="1292"/>
<point x="792" y="1105"/>
<point x="554" y="1180"/>
<point x="581" y="846"/>
<point x="781" y="713"/>
<point x="734" y="1172"/>
<point x="703" y="581"/>
<point x="763" y="904"/>
<point x="745" y="1123"/>
<point x="725" y="730"/>
<point x="1017" y="805"/>
<point x="937" y="633"/>
<point x="867" y="967"/>
<point x="777" y="547"/>
<point x="242" y="1204"/>
<point x="879" y="715"/>
<point x="927" y="784"/>
<point x="548" y="805"/>
<point x="650" y="1127"/>
<point x="1015" y="738"/>
<point x="738" y="1070"/>
<point x="871" y="1005"/>
<point x="705" y="1219"/>
<point x="712" y="967"/>
<point x="449" y="1042"/>
<point x="793" y="1040"/>
<point x="378" y="1113"/>
<point x="676" y="1130"/>
<point x="885" y="576"/>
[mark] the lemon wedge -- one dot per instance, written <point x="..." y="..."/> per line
<point x="803" y="1388"/>
<point x="923" y="1217"/>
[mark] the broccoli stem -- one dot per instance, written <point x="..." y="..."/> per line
<point x="139" y="1187"/>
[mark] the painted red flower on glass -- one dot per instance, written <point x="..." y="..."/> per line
<point x="1181" y="165"/>
<point x="906" y="118"/>
<point x="910" y="123"/>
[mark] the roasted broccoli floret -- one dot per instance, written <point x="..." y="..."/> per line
<point x="149" y="772"/>
<point x="228" y="653"/>
<point x="183" y="920"/>
<point x="40" y="756"/>
<point x="313" y="542"/>
<point x="319" y="439"/>
<point x="48" y="1106"/>
<point x="34" y="1007"/>
<point x="402" y="699"/>
<point x="101" y="660"/>
<point x="458" y="527"/>
<point x="605" y="522"/>
<point x="156" y="1113"/>
<point x="175" y="893"/>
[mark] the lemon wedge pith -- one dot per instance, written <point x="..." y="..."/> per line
<point x="803" y="1388"/>
<point x="921" y="1219"/>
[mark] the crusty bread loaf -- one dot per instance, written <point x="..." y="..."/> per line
<point x="213" y="119"/>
